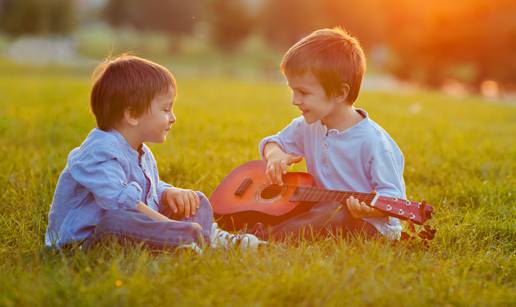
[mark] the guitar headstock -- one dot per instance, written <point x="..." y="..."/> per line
<point x="416" y="212"/>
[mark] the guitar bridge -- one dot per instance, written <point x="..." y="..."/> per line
<point x="243" y="186"/>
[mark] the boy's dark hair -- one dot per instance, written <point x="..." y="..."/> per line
<point x="126" y="82"/>
<point x="333" y="56"/>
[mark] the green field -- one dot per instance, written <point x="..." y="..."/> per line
<point x="460" y="156"/>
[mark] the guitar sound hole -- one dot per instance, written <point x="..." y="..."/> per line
<point x="271" y="191"/>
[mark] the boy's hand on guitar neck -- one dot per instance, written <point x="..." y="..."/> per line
<point x="360" y="210"/>
<point x="278" y="162"/>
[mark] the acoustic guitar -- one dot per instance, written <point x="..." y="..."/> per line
<point x="245" y="197"/>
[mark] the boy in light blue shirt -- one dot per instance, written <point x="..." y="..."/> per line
<point x="343" y="147"/>
<point x="110" y="185"/>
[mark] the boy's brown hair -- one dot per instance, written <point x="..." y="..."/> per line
<point x="126" y="82"/>
<point x="333" y="56"/>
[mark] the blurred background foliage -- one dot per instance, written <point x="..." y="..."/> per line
<point x="429" y="42"/>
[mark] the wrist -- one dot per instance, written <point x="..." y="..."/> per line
<point x="165" y="194"/>
<point x="271" y="149"/>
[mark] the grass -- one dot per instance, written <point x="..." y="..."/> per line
<point x="460" y="157"/>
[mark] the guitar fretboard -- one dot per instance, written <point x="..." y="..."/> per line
<point x="314" y="194"/>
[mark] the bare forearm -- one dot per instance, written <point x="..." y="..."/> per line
<point x="270" y="149"/>
<point x="143" y="208"/>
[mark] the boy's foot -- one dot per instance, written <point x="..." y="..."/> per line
<point x="223" y="239"/>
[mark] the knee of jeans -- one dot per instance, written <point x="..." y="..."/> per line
<point x="201" y="195"/>
<point x="204" y="202"/>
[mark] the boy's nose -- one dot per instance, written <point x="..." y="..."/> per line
<point x="295" y="101"/>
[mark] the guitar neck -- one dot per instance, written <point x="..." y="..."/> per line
<point x="314" y="194"/>
<point x="400" y="208"/>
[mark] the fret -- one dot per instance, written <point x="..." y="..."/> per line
<point x="332" y="195"/>
<point x="326" y="195"/>
<point x="323" y="195"/>
<point x="305" y="194"/>
<point x="319" y="195"/>
<point x="302" y="193"/>
<point x="309" y="194"/>
<point x="315" y="195"/>
<point x="345" y="196"/>
<point x="337" y="196"/>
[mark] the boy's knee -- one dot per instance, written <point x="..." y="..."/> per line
<point x="204" y="201"/>
<point x="201" y="195"/>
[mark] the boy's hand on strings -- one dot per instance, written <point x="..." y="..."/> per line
<point x="278" y="163"/>
<point x="183" y="202"/>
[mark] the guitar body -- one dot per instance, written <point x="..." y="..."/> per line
<point x="258" y="200"/>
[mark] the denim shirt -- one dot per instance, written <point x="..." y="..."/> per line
<point x="104" y="173"/>
<point x="362" y="158"/>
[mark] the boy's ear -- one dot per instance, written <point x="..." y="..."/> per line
<point x="343" y="92"/>
<point x="130" y="118"/>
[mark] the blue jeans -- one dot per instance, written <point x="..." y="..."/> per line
<point x="323" y="218"/>
<point x="134" y="226"/>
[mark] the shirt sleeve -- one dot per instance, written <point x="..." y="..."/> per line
<point x="102" y="173"/>
<point x="162" y="186"/>
<point x="387" y="174"/>
<point x="290" y="139"/>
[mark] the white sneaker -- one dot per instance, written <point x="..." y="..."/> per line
<point x="222" y="239"/>
<point x="191" y="246"/>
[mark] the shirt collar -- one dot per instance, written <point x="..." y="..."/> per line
<point x="327" y="131"/>
<point x="137" y="154"/>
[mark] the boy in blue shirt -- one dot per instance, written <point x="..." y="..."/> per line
<point x="110" y="184"/>
<point x="343" y="147"/>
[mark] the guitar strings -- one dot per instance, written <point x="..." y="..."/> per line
<point x="308" y="190"/>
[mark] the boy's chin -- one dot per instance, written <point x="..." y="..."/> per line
<point x="158" y="140"/>
<point x="309" y="120"/>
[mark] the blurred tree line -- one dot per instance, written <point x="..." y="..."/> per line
<point x="36" y="17"/>
<point x="428" y="41"/>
